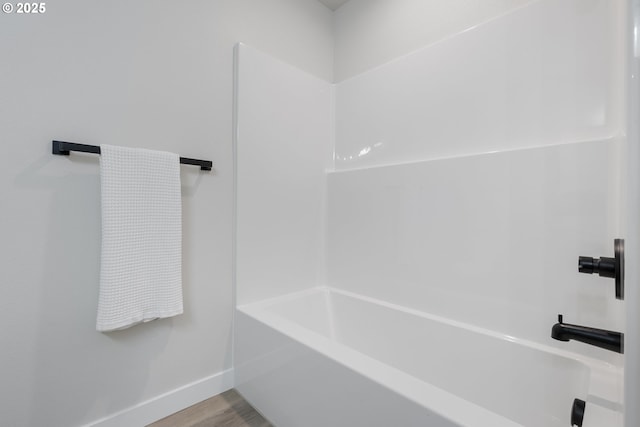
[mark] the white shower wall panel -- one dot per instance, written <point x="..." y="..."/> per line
<point x="491" y="239"/>
<point x="547" y="73"/>
<point x="282" y="150"/>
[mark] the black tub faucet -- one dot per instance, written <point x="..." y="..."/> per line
<point x="599" y="337"/>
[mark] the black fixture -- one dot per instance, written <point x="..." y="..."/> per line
<point x="607" y="267"/>
<point x="63" y="148"/>
<point x="608" y="340"/>
<point x="577" y="412"/>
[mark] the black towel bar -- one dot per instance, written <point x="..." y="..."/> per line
<point x="64" y="148"/>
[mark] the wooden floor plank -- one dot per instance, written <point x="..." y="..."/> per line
<point x="228" y="409"/>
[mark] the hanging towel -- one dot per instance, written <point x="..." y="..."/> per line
<point x="140" y="271"/>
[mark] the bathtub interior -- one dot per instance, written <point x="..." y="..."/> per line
<point x="521" y="383"/>
<point x="525" y="382"/>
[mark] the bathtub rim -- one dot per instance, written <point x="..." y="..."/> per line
<point x="328" y="290"/>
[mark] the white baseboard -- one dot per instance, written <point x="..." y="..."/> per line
<point x="166" y="404"/>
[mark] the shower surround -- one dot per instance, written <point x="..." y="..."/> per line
<point x="406" y="238"/>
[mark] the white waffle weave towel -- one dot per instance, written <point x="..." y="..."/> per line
<point x="140" y="272"/>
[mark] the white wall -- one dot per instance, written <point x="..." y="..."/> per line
<point x="502" y="85"/>
<point x="491" y="240"/>
<point x="371" y="32"/>
<point x="471" y="174"/>
<point x="282" y="151"/>
<point x="153" y="74"/>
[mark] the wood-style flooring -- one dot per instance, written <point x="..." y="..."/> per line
<point x="228" y="409"/>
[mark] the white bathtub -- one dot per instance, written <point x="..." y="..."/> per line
<point x="324" y="357"/>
